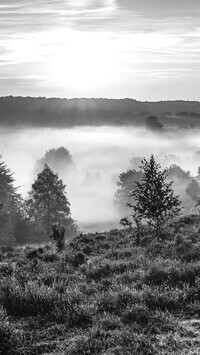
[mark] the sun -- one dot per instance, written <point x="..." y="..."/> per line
<point x="83" y="63"/>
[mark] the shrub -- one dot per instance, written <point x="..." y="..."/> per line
<point x="155" y="249"/>
<point x="98" y="341"/>
<point x="73" y="315"/>
<point x="87" y="250"/>
<point x="8" y="250"/>
<point x="58" y="235"/>
<point x="189" y="253"/>
<point x="115" y="301"/>
<point x="6" y="269"/>
<point x="78" y="259"/>
<point x="33" y="299"/>
<point x="109" y="322"/>
<point x="138" y="313"/>
<point x="164" y="298"/>
<point x="10" y="339"/>
<point x="35" y="254"/>
<point x="50" y="257"/>
<point x="26" y="300"/>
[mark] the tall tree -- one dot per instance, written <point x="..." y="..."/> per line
<point x="47" y="203"/>
<point x="154" y="198"/>
<point x="126" y="184"/>
<point x="59" y="160"/>
<point x="6" y="184"/>
<point x="175" y="172"/>
<point x="193" y="189"/>
<point x="7" y="204"/>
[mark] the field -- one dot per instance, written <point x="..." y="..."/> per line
<point x="103" y="294"/>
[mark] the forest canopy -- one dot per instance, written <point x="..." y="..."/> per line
<point x="56" y="112"/>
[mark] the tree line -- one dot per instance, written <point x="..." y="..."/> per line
<point x="56" y="112"/>
<point x="148" y="191"/>
<point x="30" y="220"/>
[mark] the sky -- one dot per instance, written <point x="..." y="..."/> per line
<point x="141" y="49"/>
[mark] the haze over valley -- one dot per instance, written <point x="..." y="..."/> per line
<point x="99" y="155"/>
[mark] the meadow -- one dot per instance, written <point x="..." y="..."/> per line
<point x="102" y="294"/>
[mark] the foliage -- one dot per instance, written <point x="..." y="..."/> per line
<point x="47" y="203"/>
<point x="58" y="235"/>
<point x="135" y="163"/>
<point x="9" y="206"/>
<point x="59" y="160"/>
<point x="155" y="200"/>
<point x="193" y="189"/>
<point x="9" y="337"/>
<point x="176" y="172"/>
<point x="126" y="184"/>
<point x="121" y="299"/>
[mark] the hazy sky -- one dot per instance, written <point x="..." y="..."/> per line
<point x="143" y="49"/>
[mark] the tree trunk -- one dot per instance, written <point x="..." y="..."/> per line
<point x="138" y="238"/>
<point x="157" y="230"/>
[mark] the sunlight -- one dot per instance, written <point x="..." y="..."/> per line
<point x="85" y="62"/>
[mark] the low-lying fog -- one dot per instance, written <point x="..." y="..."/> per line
<point x="99" y="154"/>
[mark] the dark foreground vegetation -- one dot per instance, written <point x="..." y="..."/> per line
<point x="102" y="294"/>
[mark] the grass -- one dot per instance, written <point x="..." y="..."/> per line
<point x="104" y="295"/>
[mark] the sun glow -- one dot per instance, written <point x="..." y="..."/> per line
<point x="84" y="62"/>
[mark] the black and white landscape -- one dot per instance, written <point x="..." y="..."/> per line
<point x="99" y="177"/>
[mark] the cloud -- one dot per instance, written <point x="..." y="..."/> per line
<point x="127" y="40"/>
<point x="157" y="8"/>
<point x="19" y="15"/>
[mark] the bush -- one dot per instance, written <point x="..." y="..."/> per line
<point x="164" y="298"/>
<point x="138" y="313"/>
<point x="50" y="257"/>
<point x="6" y="269"/>
<point x="78" y="259"/>
<point x="27" y="300"/>
<point x="115" y="301"/>
<point x="98" y="341"/>
<point x="73" y="315"/>
<point x="109" y="322"/>
<point x="10" y="339"/>
<point x="35" y="253"/>
<point x="58" y="235"/>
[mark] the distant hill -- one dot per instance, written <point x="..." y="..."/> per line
<point x="56" y="112"/>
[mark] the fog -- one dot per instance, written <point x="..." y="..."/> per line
<point x="99" y="153"/>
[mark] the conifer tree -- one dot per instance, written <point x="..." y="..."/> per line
<point x="8" y="198"/>
<point x="154" y="199"/>
<point x="6" y="184"/>
<point x="47" y="203"/>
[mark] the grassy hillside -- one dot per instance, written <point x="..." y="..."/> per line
<point x="104" y="295"/>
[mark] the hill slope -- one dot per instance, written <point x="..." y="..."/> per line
<point x="55" y="112"/>
<point x="104" y="295"/>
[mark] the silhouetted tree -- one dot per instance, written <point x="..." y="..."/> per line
<point x="193" y="189"/>
<point x="8" y="206"/>
<point x="6" y="184"/>
<point x="135" y="163"/>
<point x="176" y="172"/>
<point x="47" y="203"/>
<point x="170" y="159"/>
<point x="59" y="160"/>
<point x="154" y="199"/>
<point x="126" y="183"/>
<point x="58" y="235"/>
